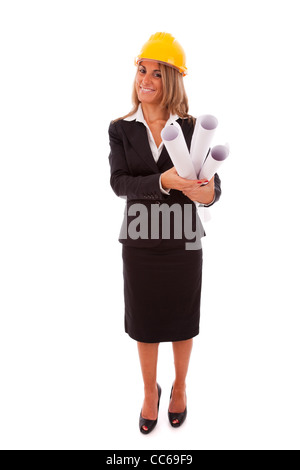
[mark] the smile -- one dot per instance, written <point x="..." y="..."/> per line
<point x="146" y="90"/>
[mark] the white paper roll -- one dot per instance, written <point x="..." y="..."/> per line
<point x="203" y="133"/>
<point x="214" y="160"/>
<point x="175" y="144"/>
<point x="204" y="214"/>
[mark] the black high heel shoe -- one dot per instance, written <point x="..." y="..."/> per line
<point x="178" y="417"/>
<point x="149" y="423"/>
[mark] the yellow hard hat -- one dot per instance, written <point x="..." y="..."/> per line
<point x="163" y="47"/>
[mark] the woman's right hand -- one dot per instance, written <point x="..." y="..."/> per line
<point x="171" y="180"/>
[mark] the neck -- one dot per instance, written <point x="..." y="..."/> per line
<point x="154" y="113"/>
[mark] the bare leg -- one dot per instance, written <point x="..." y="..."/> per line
<point x="182" y="352"/>
<point x="148" y="353"/>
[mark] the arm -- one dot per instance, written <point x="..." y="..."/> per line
<point x="122" y="182"/>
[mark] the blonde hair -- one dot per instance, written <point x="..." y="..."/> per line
<point x="174" y="97"/>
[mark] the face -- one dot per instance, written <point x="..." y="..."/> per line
<point x="148" y="82"/>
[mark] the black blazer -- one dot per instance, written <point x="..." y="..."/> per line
<point x="135" y="176"/>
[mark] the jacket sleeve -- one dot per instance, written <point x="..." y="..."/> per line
<point x="218" y="191"/>
<point x="121" y="181"/>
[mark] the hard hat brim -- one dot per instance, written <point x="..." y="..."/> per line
<point x="181" y="71"/>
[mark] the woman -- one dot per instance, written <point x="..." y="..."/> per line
<point x="162" y="276"/>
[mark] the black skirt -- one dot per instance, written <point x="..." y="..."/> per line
<point x="162" y="291"/>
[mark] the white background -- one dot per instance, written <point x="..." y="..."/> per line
<point x="70" y="376"/>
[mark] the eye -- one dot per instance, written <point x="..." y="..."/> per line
<point x="142" y="70"/>
<point x="157" y="75"/>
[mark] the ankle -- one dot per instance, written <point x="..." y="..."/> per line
<point x="179" y="386"/>
<point x="150" y="390"/>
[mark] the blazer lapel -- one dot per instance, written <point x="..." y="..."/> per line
<point x="136" y="133"/>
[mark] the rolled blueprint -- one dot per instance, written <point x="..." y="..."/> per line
<point x="204" y="213"/>
<point x="203" y="133"/>
<point x="175" y="144"/>
<point x="215" y="158"/>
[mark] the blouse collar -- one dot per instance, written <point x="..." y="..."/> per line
<point x="139" y="117"/>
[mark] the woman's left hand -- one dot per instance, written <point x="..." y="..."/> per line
<point x="203" y="194"/>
